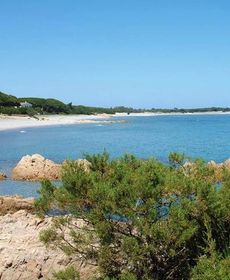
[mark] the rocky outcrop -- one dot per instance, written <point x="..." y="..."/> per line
<point x="218" y="170"/>
<point x="213" y="164"/>
<point x="12" y="204"/>
<point x="36" y="168"/>
<point x="227" y="164"/>
<point x="82" y="163"/>
<point x="23" y="256"/>
<point x="2" y="176"/>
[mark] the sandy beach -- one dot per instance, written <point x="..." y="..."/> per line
<point x="21" y="122"/>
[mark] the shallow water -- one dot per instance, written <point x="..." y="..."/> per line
<point x="205" y="136"/>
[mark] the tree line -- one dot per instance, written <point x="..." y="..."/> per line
<point x="10" y="104"/>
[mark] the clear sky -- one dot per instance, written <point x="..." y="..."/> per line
<point x="140" y="53"/>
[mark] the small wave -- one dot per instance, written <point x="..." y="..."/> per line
<point x="22" y="131"/>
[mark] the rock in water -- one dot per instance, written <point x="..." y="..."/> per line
<point x="36" y="168"/>
<point x="227" y="163"/>
<point x="2" y="176"/>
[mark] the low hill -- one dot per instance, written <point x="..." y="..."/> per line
<point x="49" y="105"/>
<point x="8" y="100"/>
<point x="10" y="104"/>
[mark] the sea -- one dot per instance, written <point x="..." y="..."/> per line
<point x="197" y="136"/>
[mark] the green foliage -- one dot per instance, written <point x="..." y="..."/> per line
<point x="17" y="111"/>
<point x="86" y="110"/>
<point x="212" y="268"/>
<point x="176" y="159"/>
<point x="10" y="104"/>
<point x="99" y="163"/>
<point x="141" y="219"/>
<point x="44" y="203"/>
<point x="47" y="105"/>
<point x="8" y="100"/>
<point x="68" y="274"/>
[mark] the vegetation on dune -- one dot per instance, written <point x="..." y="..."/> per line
<point x="8" y="100"/>
<point x="86" y="110"/>
<point x="50" y="105"/>
<point x="10" y="104"/>
<point x="141" y="219"/>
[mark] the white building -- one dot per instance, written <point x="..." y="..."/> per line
<point x="25" y="104"/>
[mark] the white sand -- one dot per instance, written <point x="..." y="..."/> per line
<point x="17" y="122"/>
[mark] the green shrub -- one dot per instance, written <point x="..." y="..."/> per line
<point x="212" y="268"/>
<point x="68" y="274"/>
<point x="142" y="219"/>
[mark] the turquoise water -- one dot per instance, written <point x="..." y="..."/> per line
<point x="206" y="136"/>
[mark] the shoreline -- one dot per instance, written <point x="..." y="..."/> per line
<point x="22" y="122"/>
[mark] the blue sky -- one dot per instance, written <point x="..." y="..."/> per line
<point x="140" y="53"/>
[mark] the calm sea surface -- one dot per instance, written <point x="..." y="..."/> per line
<point x="206" y="136"/>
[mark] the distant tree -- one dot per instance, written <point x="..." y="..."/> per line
<point x="8" y="100"/>
<point x="54" y="106"/>
<point x="70" y="105"/>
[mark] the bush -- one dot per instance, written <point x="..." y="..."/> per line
<point x="214" y="267"/>
<point x="68" y="274"/>
<point x="141" y="219"/>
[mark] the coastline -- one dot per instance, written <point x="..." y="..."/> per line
<point x="22" y="122"/>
